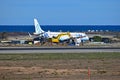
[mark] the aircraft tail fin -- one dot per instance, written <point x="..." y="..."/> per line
<point x="38" y="29"/>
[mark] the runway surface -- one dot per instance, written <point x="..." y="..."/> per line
<point x="55" y="50"/>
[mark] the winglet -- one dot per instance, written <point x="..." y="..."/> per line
<point x="29" y="34"/>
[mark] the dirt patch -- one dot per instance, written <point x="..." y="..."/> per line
<point x="32" y="70"/>
<point x="100" y="69"/>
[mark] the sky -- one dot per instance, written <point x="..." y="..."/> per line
<point x="60" y="12"/>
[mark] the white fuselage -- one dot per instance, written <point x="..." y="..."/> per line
<point x="77" y="35"/>
<point x="82" y="36"/>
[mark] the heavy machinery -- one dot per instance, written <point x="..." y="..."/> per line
<point x="61" y="37"/>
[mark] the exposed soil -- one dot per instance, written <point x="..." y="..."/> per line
<point x="99" y="69"/>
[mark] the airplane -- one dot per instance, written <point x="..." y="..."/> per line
<point x="77" y="35"/>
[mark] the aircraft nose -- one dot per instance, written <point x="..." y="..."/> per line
<point x="85" y="38"/>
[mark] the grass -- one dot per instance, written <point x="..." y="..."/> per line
<point x="58" y="56"/>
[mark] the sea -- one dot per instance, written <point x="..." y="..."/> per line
<point x="63" y="28"/>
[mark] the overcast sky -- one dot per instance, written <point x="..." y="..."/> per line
<point x="60" y="12"/>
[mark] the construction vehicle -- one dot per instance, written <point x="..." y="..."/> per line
<point x="61" y="37"/>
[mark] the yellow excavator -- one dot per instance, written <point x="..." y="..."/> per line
<point x="61" y="37"/>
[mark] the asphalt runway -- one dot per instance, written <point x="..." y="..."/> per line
<point x="4" y="50"/>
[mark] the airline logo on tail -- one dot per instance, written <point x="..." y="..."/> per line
<point x="38" y="29"/>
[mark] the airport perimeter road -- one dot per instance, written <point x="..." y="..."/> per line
<point x="55" y="50"/>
